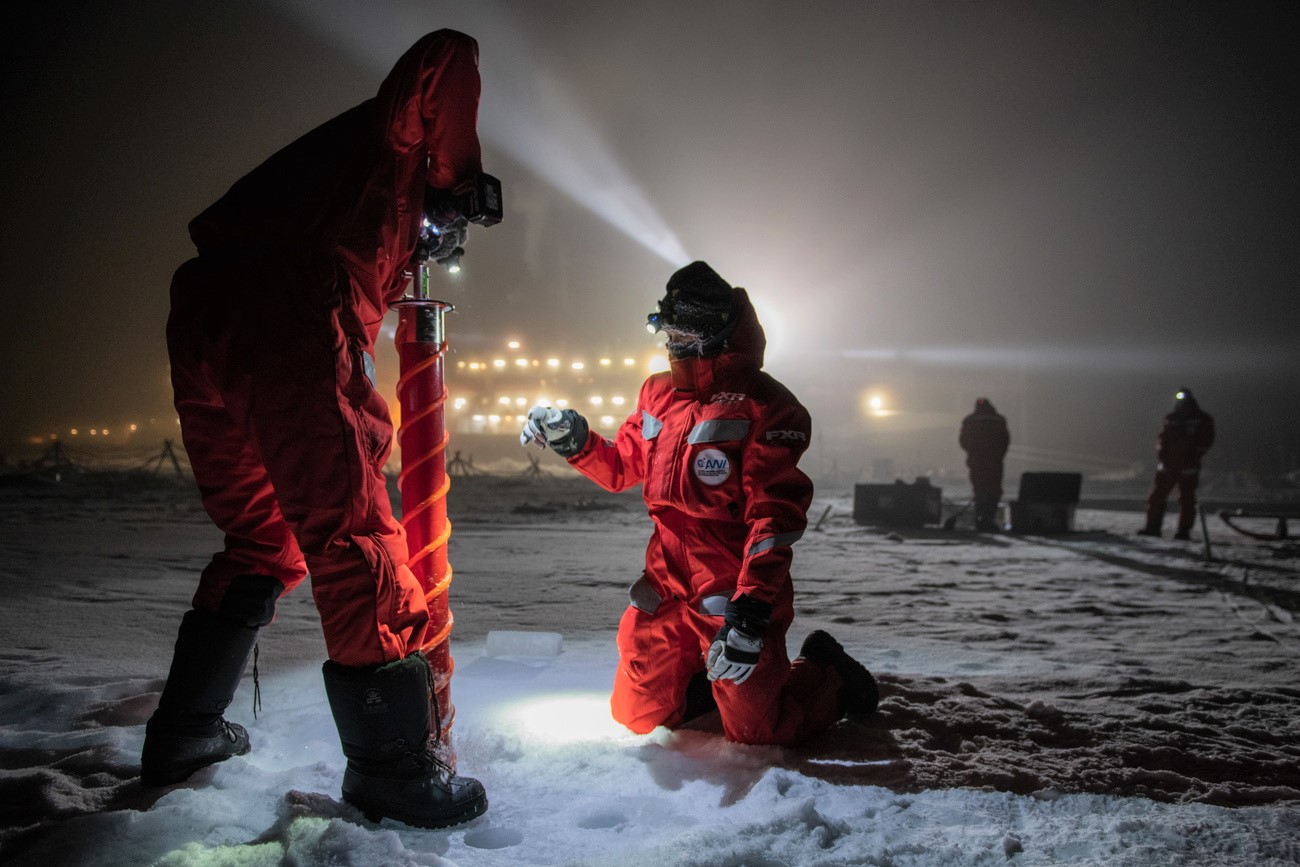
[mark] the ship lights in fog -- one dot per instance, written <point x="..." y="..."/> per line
<point x="877" y="404"/>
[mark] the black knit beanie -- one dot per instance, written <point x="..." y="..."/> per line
<point x="699" y="302"/>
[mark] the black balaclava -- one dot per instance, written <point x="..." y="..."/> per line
<point x="698" y="303"/>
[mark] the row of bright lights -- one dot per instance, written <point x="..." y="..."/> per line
<point x="552" y="363"/>
<point x="875" y="404"/>
<point x="604" y="420"/>
<point x="97" y="431"/>
<point x="506" y="400"/>
<point x="124" y="431"/>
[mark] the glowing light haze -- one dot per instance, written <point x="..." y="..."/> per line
<point x="1071" y="209"/>
<point x="525" y="113"/>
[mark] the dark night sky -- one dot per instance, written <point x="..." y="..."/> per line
<point x="1074" y="208"/>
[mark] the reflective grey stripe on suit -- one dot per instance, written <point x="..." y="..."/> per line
<point x="714" y="605"/>
<point x="773" y="541"/>
<point x="718" y="430"/>
<point x="650" y="426"/>
<point x="643" y="597"/>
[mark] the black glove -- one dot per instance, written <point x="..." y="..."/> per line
<point x="440" y="208"/>
<point x="735" y="651"/>
<point x="448" y="242"/>
<point x="565" y="431"/>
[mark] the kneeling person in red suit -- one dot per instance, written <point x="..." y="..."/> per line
<point x="715" y="444"/>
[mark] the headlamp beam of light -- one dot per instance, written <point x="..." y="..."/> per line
<point x="560" y="719"/>
<point x="571" y="157"/>
<point x="524" y="112"/>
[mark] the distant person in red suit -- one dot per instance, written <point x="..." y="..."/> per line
<point x="1185" y="436"/>
<point x="985" y="439"/>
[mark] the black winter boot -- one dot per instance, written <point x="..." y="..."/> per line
<point x="858" y="696"/>
<point x="187" y="732"/>
<point x="382" y="713"/>
<point x="699" y="697"/>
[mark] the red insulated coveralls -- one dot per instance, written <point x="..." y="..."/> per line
<point x="715" y="445"/>
<point x="271" y="339"/>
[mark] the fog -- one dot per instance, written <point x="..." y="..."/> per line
<point x="1070" y="209"/>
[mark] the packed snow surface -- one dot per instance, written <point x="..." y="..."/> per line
<point x="1087" y="698"/>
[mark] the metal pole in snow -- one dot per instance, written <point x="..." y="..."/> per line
<point x="1205" y="533"/>
<point x="423" y="481"/>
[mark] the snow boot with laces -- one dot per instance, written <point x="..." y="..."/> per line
<point x="188" y="732"/>
<point x="383" y="716"/>
<point x="859" y="695"/>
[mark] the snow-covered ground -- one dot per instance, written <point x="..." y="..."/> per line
<point x="1091" y="698"/>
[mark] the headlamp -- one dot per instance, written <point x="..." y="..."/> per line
<point x="661" y="318"/>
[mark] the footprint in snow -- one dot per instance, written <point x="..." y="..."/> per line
<point x="493" y="838"/>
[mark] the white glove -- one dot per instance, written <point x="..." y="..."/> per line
<point x="545" y="424"/>
<point x="733" y="655"/>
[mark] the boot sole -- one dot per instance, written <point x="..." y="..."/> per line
<point x="181" y="773"/>
<point x="156" y="779"/>
<point x="473" y="810"/>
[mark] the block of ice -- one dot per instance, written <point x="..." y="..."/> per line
<point x="545" y="645"/>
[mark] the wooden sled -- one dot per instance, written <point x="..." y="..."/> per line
<point x="1281" y="515"/>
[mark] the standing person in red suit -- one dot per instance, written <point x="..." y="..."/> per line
<point x="1185" y="436"/>
<point x="271" y="338"/>
<point x="715" y="444"/>
<point x="985" y="439"/>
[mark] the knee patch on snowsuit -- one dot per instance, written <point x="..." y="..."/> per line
<point x="250" y="600"/>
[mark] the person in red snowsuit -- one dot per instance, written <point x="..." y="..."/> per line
<point x="715" y="444"/>
<point x="271" y="338"/>
<point x="985" y="440"/>
<point x="1185" y="436"/>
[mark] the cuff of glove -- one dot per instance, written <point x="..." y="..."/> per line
<point x="570" y="445"/>
<point x="748" y="615"/>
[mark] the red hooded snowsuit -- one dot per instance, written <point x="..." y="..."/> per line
<point x="271" y="339"/>
<point x="715" y="445"/>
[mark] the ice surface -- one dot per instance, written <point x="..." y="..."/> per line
<point x="514" y="642"/>
<point x="1086" y="699"/>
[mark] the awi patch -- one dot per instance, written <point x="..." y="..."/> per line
<point x="712" y="467"/>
